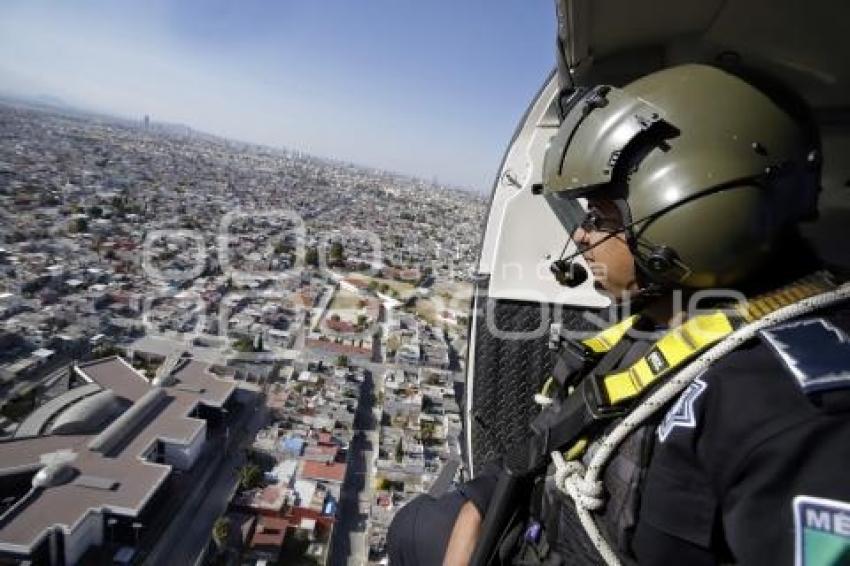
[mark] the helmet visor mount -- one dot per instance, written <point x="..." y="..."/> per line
<point x="583" y="161"/>
<point x="583" y="154"/>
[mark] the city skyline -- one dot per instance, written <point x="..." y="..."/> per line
<point x="432" y="91"/>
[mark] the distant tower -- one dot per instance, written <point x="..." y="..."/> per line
<point x="147" y="122"/>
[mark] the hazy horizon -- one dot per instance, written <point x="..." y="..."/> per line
<point x="432" y="91"/>
<point x="56" y="105"/>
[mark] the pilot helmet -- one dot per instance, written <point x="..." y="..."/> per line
<point x="707" y="169"/>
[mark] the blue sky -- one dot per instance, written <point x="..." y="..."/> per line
<point x="427" y="87"/>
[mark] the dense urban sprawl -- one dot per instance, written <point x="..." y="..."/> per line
<point x="324" y="303"/>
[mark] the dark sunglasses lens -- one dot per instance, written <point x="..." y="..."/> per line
<point x="590" y="223"/>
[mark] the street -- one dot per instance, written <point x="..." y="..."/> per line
<point x="349" y="546"/>
<point x="189" y="532"/>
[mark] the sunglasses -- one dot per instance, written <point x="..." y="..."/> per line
<point x="598" y="221"/>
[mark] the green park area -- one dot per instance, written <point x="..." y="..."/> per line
<point x="394" y="288"/>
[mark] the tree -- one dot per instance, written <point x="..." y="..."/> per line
<point x="428" y="430"/>
<point x="220" y="530"/>
<point x="373" y="286"/>
<point x="337" y="254"/>
<point x="393" y="344"/>
<point x="80" y="225"/>
<point x="107" y="350"/>
<point x="399" y="451"/>
<point x="312" y="257"/>
<point x="250" y="476"/>
<point x="342" y="361"/>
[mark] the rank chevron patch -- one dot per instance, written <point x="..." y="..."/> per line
<point x="681" y="414"/>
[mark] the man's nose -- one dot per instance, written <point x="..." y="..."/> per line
<point x="580" y="236"/>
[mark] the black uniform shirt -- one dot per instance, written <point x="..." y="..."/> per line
<point x="752" y="462"/>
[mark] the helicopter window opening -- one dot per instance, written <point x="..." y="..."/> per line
<point x="569" y="211"/>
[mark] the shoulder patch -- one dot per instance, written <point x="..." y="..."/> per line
<point x="814" y="351"/>
<point x="821" y="531"/>
<point x="682" y="413"/>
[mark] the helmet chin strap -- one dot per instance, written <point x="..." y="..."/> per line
<point x="649" y="291"/>
<point x="652" y="283"/>
<point x="641" y="297"/>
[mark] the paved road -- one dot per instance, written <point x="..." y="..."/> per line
<point x="349" y="547"/>
<point x="46" y="377"/>
<point x="329" y="359"/>
<point x="444" y="480"/>
<point x="50" y="381"/>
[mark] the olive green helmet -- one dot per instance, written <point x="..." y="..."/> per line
<point x="708" y="170"/>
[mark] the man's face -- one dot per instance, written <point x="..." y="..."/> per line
<point x="602" y="241"/>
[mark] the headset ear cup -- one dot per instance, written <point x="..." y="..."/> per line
<point x="661" y="259"/>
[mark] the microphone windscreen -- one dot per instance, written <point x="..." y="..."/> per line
<point x="575" y="275"/>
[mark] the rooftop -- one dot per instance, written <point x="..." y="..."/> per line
<point x="270" y="531"/>
<point x="131" y="478"/>
<point x="326" y="471"/>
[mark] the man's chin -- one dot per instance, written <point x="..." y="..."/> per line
<point x="617" y="296"/>
<point x="606" y="290"/>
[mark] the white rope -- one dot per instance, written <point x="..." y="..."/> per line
<point x="542" y="400"/>
<point x="569" y="478"/>
<point x="673" y="387"/>
<point x="587" y="497"/>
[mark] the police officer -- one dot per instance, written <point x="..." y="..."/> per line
<point x="677" y="437"/>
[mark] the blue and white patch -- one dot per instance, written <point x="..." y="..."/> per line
<point x="821" y="531"/>
<point x="682" y="413"/>
<point x="814" y="351"/>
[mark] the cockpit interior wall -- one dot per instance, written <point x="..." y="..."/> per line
<point x="509" y="371"/>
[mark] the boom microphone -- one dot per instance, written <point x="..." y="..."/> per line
<point x="568" y="272"/>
